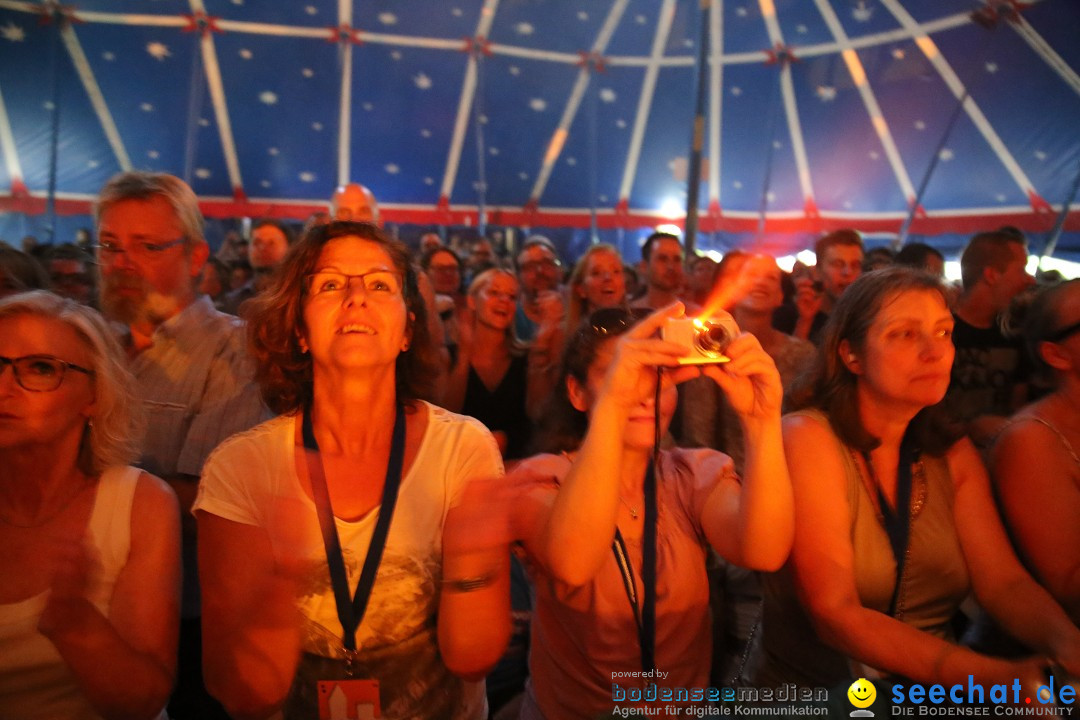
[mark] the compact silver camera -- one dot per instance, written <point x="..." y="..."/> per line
<point x="707" y="338"/>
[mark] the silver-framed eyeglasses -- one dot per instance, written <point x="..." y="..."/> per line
<point x="40" y="373"/>
<point x="379" y="285"/>
<point x="107" y="251"/>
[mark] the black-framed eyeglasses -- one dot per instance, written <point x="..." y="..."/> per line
<point x="614" y="321"/>
<point x="40" y="373"/>
<point x="378" y="284"/>
<point x="108" y="251"/>
<point x="1065" y="332"/>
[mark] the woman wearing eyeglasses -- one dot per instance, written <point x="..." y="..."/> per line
<point x="620" y="580"/>
<point x="89" y="602"/>
<point x="331" y="568"/>
<point x="1035" y="462"/>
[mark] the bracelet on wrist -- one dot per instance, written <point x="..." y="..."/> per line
<point x="469" y="584"/>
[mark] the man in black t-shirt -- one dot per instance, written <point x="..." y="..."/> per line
<point x="990" y="372"/>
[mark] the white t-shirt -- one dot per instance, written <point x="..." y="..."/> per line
<point x="252" y="475"/>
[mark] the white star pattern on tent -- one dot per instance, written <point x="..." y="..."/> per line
<point x="13" y="32"/>
<point x="158" y="51"/>
<point x="268" y="98"/>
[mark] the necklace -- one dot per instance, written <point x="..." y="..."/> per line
<point x="633" y="510"/>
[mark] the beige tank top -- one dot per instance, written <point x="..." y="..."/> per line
<point x="935" y="580"/>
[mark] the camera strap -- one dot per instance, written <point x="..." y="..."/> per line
<point x="644" y="608"/>
<point x="351" y="611"/>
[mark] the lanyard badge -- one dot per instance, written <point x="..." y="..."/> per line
<point x="337" y="694"/>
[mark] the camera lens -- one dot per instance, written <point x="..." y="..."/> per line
<point x="713" y="339"/>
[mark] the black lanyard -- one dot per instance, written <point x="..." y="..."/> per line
<point x="645" y="613"/>
<point x="352" y="613"/>
<point x="897" y="522"/>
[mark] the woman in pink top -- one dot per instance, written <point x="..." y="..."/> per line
<point x="604" y="615"/>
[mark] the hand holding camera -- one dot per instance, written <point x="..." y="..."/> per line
<point x="631" y="375"/>
<point x="749" y="379"/>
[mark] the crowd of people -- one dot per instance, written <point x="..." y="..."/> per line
<point x="322" y="468"/>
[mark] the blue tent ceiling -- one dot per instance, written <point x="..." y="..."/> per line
<point x="819" y="112"/>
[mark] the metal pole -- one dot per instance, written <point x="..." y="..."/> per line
<point x="594" y="233"/>
<point x="481" y="174"/>
<point x="195" y="96"/>
<point x="697" y="138"/>
<point x="54" y="140"/>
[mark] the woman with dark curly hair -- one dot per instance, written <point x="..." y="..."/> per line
<point x="895" y="523"/>
<point x="336" y="564"/>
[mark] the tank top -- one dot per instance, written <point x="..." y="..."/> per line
<point x="34" y="680"/>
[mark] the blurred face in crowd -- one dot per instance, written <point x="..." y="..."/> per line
<point x="428" y="242"/>
<point x="702" y="275"/>
<point x="496" y="301"/>
<point x="212" y="283"/>
<point x="1013" y="280"/>
<point x="354" y="322"/>
<point x="603" y="283"/>
<point x="43" y="416"/>
<point x="839" y="267"/>
<point x="72" y="279"/>
<point x="908" y="353"/>
<point x="445" y="273"/>
<point x="934" y="265"/>
<point x="760" y="284"/>
<point x="268" y="247"/>
<point x="148" y="268"/>
<point x="354" y="202"/>
<point x="239" y="277"/>
<point x="664" y="269"/>
<point x="538" y="270"/>
<point x="481" y="254"/>
<point x="639" y="428"/>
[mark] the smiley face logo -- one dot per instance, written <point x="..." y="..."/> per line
<point x="862" y="693"/>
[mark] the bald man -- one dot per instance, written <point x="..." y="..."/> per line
<point x="354" y="202"/>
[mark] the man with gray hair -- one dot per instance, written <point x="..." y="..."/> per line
<point x="190" y="362"/>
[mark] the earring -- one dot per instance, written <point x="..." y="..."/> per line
<point x="405" y="346"/>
